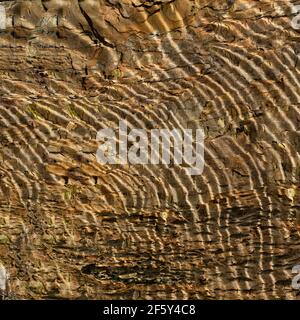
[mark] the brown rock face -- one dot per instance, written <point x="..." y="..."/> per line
<point x="71" y="227"/>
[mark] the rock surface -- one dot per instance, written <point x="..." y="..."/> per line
<point x="73" y="228"/>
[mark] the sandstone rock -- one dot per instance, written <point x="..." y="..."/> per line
<point x="86" y="230"/>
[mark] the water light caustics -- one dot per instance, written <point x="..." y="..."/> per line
<point x="71" y="227"/>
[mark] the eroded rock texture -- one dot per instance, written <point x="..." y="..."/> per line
<point x="73" y="228"/>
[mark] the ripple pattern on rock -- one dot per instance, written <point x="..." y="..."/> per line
<point x="72" y="228"/>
